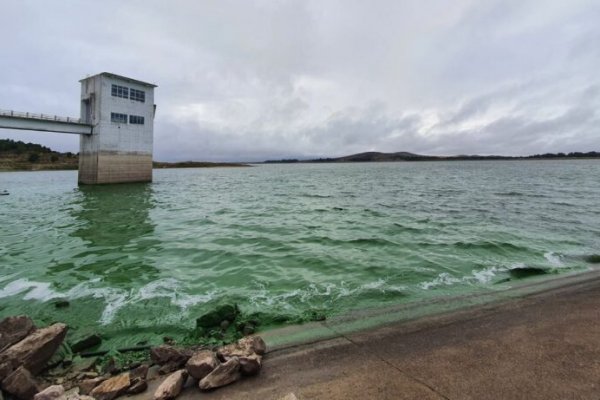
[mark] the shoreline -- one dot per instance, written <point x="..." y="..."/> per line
<point x="201" y="164"/>
<point x="540" y="342"/>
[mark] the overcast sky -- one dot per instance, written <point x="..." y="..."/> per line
<point x="253" y="80"/>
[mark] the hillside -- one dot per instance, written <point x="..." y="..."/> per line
<point x="374" y="156"/>
<point x="21" y="156"/>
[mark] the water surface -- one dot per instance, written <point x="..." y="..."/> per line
<point x="285" y="240"/>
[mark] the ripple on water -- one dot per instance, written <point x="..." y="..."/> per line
<point x="286" y="240"/>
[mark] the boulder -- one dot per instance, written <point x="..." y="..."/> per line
<point x="87" y="385"/>
<point x="224" y="374"/>
<point x="14" y="329"/>
<point x="289" y="396"/>
<point x="137" y="386"/>
<point x="21" y="384"/>
<point x="73" y="394"/>
<point x="201" y="364"/>
<point x="138" y="379"/>
<point x="171" y="387"/>
<point x="243" y="348"/>
<point x="256" y="343"/>
<point x="165" y="354"/>
<point x="140" y="372"/>
<point x="55" y="392"/>
<point x="36" y="349"/>
<point x="83" y="364"/>
<point x="5" y="370"/>
<point x="86" y="342"/>
<point x="250" y="365"/>
<point x="213" y="319"/>
<point x="112" y="387"/>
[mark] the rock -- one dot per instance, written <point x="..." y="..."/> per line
<point x="171" y="387"/>
<point x="289" y="396"/>
<point x="214" y="318"/>
<point x="250" y="365"/>
<point x="138" y="386"/>
<point x="201" y="364"/>
<point x="166" y="354"/>
<point x="248" y="329"/>
<point x="5" y="370"/>
<point x="14" y="329"/>
<point x="256" y="343"/>
<point x="83" y="364"/>
<point x="139" y="373"/>
<point x="243" y="348"/>
<point x="224" y="374"/>
<point x="87" y="385"/>
<point x="86" y="342"/>
<point x="168" y="368"/>
<point x="73" y="394"/>
<point x="62" y="355"/>
<point x="138" y="379"/>
<point x="36" y="349"/>
<point x="21" y="384"/>
<point x="153" y="372"/>
<point x="112" y="387"/>
<point x="55" y="392"/>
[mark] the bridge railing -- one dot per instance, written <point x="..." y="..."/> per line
<point x="45" y="117"/>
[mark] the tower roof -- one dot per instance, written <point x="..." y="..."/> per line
<point x="111" y="75"/>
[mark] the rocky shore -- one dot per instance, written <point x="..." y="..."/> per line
<point x="37" y="363"/>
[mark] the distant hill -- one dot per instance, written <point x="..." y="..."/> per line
<point x="374" y="156"/>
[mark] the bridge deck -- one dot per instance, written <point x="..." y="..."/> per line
<point x="10" y="119"/>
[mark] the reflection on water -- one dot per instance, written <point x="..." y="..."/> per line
<point x="113" y="215"/>
<point x="113" y="221"/>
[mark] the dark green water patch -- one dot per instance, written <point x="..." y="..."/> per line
<point x="593" y="259"/>
<point x="526" y="272"/>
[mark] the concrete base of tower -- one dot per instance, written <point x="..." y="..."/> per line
<point x="114" y="167"/>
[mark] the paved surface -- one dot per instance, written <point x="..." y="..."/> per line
<point x="545" y="346"/>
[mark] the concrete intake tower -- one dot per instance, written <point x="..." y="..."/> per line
<point x="121" y="111"/>
<point x="115" y="128"/>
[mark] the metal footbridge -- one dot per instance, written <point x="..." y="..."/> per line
<point x="43" y="122"/>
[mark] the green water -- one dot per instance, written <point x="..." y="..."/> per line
<point x="144" y="260"/>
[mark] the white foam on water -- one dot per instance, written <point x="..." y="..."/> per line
<point x="33" y="290"/>
<point x="554" y="259"/>
<point x="486" y="275"/>
<point x="115" y="299"/>
<point x="442" y="279"/>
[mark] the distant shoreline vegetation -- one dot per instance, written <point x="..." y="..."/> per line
<point x="374" y="156"/>
<point x="21" y="156"/>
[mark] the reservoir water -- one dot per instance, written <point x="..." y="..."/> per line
<point x="287" y="241"/>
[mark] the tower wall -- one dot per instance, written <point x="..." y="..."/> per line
<point x="120" y="147"/>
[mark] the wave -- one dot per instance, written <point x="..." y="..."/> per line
<point x="489" y="274"/>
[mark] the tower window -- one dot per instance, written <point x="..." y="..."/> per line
<point x="136" y="119"/>
<point x="137" y="95"/>
<point x="120" y="91"/>
<point x="118" y="118"/>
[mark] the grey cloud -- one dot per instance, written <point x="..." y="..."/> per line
<point x="268" y="79"/>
